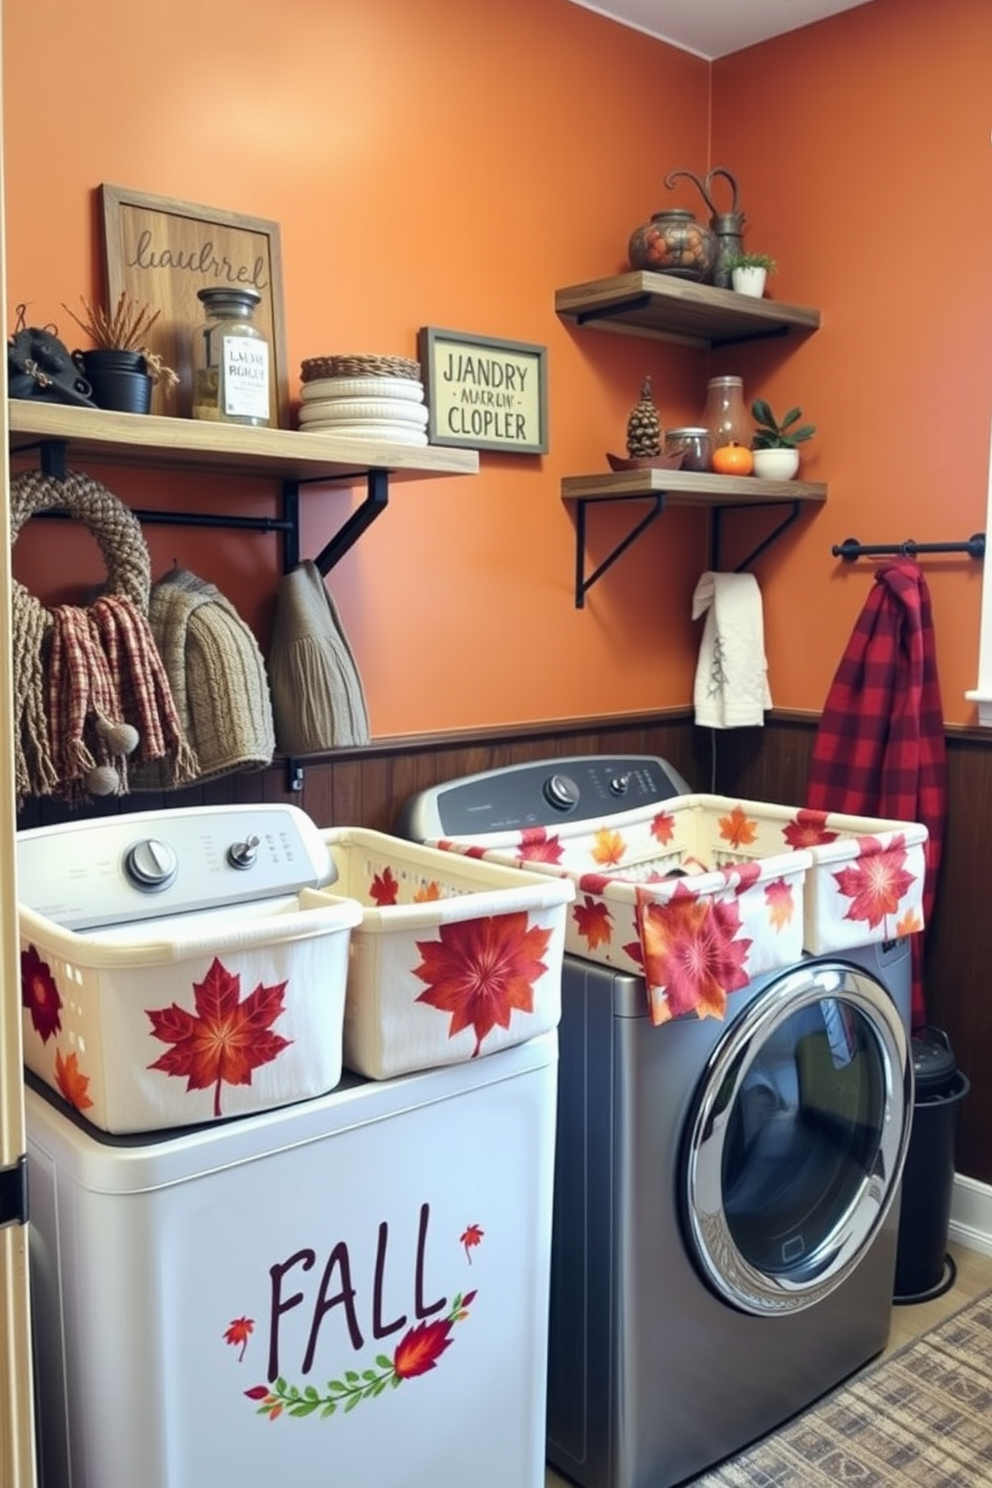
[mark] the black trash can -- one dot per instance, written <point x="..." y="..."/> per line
<point x="923" y="1267"/>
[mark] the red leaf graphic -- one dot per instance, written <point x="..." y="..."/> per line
<point x="808" y="830"/>
<point x="226" y="1040"/>
<point x="39" y="994"/>
<point x="536" y="846"/>
<point x="690" y="951"/>
<point x="419" y="1350"/>
<point x="480" y="970"/>
<point x="238" y="1334"/>
<point x="471" y="1236"/>
<point x="876" y="882"/>
<point x="781" y="903"/>
<point x="663" y="827"/>
<point x="592" y="920"/>
<point x="384" y="889"/>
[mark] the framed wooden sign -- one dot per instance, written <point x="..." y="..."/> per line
<point x="483" y="393"/>
<point x="161" y="251"/>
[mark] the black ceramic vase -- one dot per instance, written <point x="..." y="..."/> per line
<point x="120" y="379"/>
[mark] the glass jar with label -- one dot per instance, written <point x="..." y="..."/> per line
<point x="231" y="359"/>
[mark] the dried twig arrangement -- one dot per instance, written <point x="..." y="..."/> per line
<point x="125" y="330"/>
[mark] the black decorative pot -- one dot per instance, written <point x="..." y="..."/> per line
<point x="120" y="379"/>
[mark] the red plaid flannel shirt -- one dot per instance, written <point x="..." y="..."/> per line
<point x="880" y="748"/>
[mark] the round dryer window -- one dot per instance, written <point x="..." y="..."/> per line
<point x="798" y="1138"/>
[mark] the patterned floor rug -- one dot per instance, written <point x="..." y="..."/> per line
<point x="921" y="1418"/>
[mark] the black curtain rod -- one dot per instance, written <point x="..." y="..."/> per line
<point x="850" y="548"/>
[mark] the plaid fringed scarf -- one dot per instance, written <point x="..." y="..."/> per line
<point x="83" y="711"/>
<point x="126" y="639"/>
<point x="880" y="748"/>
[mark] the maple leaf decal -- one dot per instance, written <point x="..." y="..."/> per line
<point x="592" y="920"/>
<point x="608" y="848"/>
<point x="538" y="846"/>
<point x="40" y="994"/>
<point x="808" y="830"/>
<point x="71" y="1081"/>
<point x="472" y="1235"/>
<point x="480" y="970"/>
<point x="781" y="903"/>
<point x="663" y="827"/>
<point x="429" y="892"/>
<point x="909" y="924"/>
<point x="238" y="1333"/>
<point x="226" y="1039"/>
<point x="876" y="881"/>
<point x="384" y="889"/>
<point x="690" y="951"/>
<point x="738" y="829"/>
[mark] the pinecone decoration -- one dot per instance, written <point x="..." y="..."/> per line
<point x="644" y="427"/>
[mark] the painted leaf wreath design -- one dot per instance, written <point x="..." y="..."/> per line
<point x="416" y="1353"/>
<point x="482" y="970"/>
<point x="876" y="881"/>
<point x="226" y="1039"/>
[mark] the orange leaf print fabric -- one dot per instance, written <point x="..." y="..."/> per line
<point x="483" y="970"/>
<point x="738" y="829"/>
<point x="592" y="920"/>
<point x="875" y="882"/>
<point x="72" y="1083"/>
<point x="608" y="848"/>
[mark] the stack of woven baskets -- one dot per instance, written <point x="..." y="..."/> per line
<point x="364" y="397"/>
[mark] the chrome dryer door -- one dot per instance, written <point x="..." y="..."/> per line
<point x="798" y="1137"/>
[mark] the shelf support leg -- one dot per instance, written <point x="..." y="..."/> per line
<point x="756" y="552"/>
<point x="376" y="499"/>
<point x="583" y="584"/>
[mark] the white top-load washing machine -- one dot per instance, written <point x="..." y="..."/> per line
<point x="725" y="1216"/>
<point x="347" y="1288"/>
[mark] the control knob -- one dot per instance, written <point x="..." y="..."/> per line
<point x="151" y="865"/>
<point x="561" y="792"/>
<point x="244" y="854"/>
<point x="618" y="785"/>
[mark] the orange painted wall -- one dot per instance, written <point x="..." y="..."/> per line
<point x="451" y="164"/>
<point x="865" y="145"/>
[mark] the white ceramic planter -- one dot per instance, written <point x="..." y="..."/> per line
<point x="776" y="464"/>
<point x="750" y="281"/>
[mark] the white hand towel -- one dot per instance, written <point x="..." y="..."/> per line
<point x="731" y="689"/>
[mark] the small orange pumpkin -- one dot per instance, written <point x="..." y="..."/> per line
<point x="732" y="459"/>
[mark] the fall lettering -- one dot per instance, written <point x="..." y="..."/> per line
<point x="202" y="261"/>
<point x="337" y="1290"/>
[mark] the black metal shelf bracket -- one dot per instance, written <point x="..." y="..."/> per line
<point x="850" y="549"/>
<point x="584" y="583"/>
<point x="791" y="516"/>
<point x="376" y="501"/>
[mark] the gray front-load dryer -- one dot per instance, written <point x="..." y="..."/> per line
<point x="725" y="1208"/>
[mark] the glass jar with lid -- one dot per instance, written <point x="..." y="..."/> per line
<point x="691" y="442"/>
<point x="231" y="371"/>
<point x="725" y="414"/>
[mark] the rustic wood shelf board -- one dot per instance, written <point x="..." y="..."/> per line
<point x="688" y="488"/>
<point x="95" y="436"/>
<point x="647" y="304"/>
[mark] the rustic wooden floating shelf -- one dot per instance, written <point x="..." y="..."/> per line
<point x="720" y="493"/>
<point x="645" y="304"/>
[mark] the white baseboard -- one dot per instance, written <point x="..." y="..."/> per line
<point x="971" y="1214"/>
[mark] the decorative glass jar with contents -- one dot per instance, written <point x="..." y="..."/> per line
<point x="231" y="359"/>
<point x="692" y="443"/>
<point x="725" y="414"/>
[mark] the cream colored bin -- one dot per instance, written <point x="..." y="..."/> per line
<point x="705" y="892"/>
<point x="454" y="958"/>
<point x="103" y="1008"/>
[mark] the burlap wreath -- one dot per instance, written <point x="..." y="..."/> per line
<point x="89" y="685"/>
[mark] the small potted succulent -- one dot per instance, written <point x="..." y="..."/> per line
<point x="776" y="441"/>
<point x="748" y="272"/>
<point x="119" y="366"/>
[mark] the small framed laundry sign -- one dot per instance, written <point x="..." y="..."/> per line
<point x="484" y="393"/>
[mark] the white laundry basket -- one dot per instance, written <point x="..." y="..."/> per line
<point x="453" y="958"/>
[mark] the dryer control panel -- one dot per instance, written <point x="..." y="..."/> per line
<point x="580" y="788"/>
